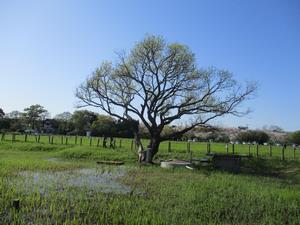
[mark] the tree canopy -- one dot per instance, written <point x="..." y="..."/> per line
<point x="259" y="137"/>
<point x="294" y="137"/>
<point x="2" y="114"/>
<point x="34" y="114"/>
<point x="83" y="120"/>
<point x="159" y="84"/>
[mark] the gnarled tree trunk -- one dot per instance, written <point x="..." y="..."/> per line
<point x="153" y="149"/>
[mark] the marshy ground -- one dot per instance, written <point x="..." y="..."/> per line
<point x="59" y="184"/>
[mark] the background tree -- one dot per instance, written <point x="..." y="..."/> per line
<point x="259" y="137"/>
<point x="2" y="114"/>
<point x="159" y="84"/>
<point x="4" y="122"/>
<point x="65" y="124"/>
<point x="33" y="115"/>
<point x="104" y="126"/>
<point x="65" y="116"/>
<point x="294" y="137"/>
<point x="123" y="131"/>
<point x="14" y="114"/>
<point x="83" y="120"/>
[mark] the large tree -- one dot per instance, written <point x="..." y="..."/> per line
<point x="159" y="84"/>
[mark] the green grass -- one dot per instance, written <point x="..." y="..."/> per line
<point x="178" y="148"/>
<point x="267" y="191"/>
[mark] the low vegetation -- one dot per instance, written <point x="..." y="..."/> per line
<point x="265" y="192"/>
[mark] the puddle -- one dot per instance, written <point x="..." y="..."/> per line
<point x="54" y="160"/>
<point x="100" y="179"/>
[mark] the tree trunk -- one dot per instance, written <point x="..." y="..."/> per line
<point x="152" y="150"/>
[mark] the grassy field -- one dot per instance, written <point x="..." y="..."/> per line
<point x="44" y="177"/>
<point x="177" y="148"/>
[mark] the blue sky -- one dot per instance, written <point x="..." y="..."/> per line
<point x="47" y="48"/>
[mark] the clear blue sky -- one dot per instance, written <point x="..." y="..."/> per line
<point x="47" y="48"/>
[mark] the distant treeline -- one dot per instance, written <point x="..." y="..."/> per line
<point x="36" y="119"/>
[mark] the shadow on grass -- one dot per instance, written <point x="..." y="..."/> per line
<point x="287" y="171"/>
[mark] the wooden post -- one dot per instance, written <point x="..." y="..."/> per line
<point x="67" y="140"/>
<point x="98" y="142"/>
<point x="294" y="152"/>
<point x="25" y="138"/>
<point x="283" y="151"/>
<point x="49" y="139"/>
<point x="226" y="146"/>
<point x="188" y="146"/>
<point x="76" y="140"/>
<point x="249" y="149"/>
<point x="91" y="141"/>
<point x="120" y="144"/>
<point x="257" y="150"/>
<point x="3" y="137"/>
<point x="233" y="149"/>
<point x="80" y="140"/>
<point x="13" y="138"/>
<point x="52" y="139"/>
<point x="191" y="156"/>
<point x="16" y="204"/>
<point x="169" y="146"/>
<point x="61" y="139"/>
<point x="270" y="150"/>
<point x="36" y="138"/>
<point x="131" y="147"/>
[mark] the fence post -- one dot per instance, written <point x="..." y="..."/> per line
<point x="25" y="138"/>
<point x="131" y="147"/>
<point x="52" y="140"/>
<point x="226" y="146"/>
<point x="49" y="139"/>
<point x="13" y="138"/>
<point x="67" y="140"/>
<point x="207" y="148"/>
<point x="61" y="139"/>
<point x="98" y="142"/>
<point x="91" y="141"/>
<point x="80" y="140"/>
<point x="76" y="140"/>
<point x="249" y="149"/>
<point x="120" y="143"/>
<point x="257" y="150"/>
<point x="169" y="146"/>
<point x="233" y="149"/>
<point x="283" y="151"/>
<point x="191" y="156"/>
<point x="270" y="150"/>
<point x="294" y="152"/>
<point x="3" y="137"/>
